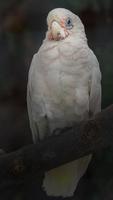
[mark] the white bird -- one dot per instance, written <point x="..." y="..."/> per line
<point x="64" y="86"/>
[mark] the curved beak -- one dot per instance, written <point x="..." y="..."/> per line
<point x="57" y="31"/>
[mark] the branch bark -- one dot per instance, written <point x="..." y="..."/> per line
<point x="72" y="143"/>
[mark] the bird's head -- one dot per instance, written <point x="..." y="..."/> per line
<point x="62" y="23"/>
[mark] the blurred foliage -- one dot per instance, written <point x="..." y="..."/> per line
<point x="80" y="5"/>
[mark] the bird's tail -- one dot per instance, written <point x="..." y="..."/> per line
<point x="63" y="180"/>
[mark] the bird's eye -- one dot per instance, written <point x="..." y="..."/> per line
<point x="69" y="23"/>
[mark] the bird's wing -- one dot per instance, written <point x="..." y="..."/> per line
<point x="35" y="103"/>
<point x="95" y="87"/>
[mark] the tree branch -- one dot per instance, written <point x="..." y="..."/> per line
<point x="72" y="143"/>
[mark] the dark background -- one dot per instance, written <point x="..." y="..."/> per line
<point x="22" y="29"/>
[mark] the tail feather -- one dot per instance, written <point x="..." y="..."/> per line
<point x="63" y="180"/>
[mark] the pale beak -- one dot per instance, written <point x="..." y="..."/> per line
<point x="58" y="32"/>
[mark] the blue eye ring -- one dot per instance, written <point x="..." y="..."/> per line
<point x="69" y="23"/>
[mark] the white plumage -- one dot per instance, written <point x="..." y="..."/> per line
<point x="64" y="86"/>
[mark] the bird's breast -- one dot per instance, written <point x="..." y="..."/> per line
<point x="66" y="83"/>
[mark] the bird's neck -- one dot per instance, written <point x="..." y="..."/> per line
<point x="76" y="37"/>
